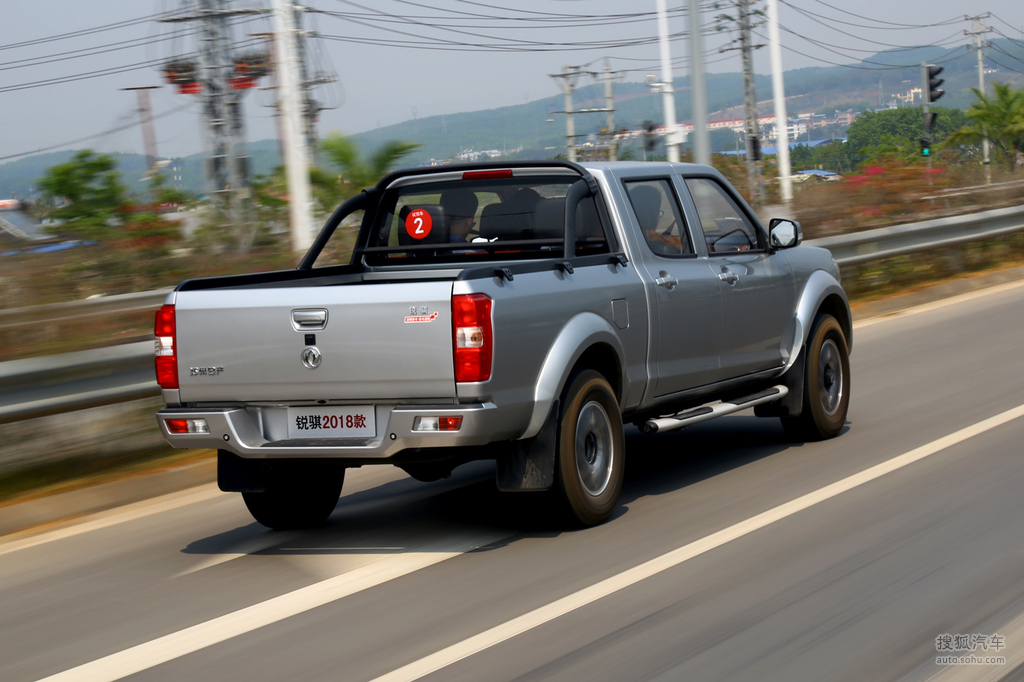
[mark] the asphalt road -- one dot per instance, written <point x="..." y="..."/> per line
<point x="734" y="555"/>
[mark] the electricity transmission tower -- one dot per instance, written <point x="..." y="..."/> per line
<point x="220" y="78"/>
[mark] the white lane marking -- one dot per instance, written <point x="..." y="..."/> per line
<point x="528" y="621"/>
<point x="935" y="305"/>
<point x="178" y="644"/>
<point x="112" y="517"/>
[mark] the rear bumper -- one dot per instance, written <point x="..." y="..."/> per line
<point x="249" y="432"/>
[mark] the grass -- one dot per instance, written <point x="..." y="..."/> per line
<point x="85" y="471"/>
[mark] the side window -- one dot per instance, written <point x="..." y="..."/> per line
<point x="661" y="221"/>
<point x="726" y="228"/>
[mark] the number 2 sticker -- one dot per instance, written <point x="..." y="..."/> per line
<point x="418" y="223"/>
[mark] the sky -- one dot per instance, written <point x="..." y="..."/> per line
<point x="401" y="59"/>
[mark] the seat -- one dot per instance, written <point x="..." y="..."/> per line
<point x="549" y="219"/>
<point x="498" y="222"/>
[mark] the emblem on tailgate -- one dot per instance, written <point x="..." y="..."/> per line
<point x="205" y="371"/>
<point x="421" y="317"/>
<point x="311" y="357"/>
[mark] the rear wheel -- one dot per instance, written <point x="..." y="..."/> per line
<point x="826" y="384"/>
<point x="299" y="497"/>
<point x="591" y="449"/>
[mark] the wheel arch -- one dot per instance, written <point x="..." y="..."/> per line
<point x="821" y="293"/>
<point x="586" y="340"/>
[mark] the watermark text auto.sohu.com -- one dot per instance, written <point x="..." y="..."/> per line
<point x="972" y="643"/>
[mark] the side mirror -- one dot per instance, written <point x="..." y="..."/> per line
<point x="784" y="233"/>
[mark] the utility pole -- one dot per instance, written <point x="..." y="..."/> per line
<point x="698" y="89"/>
<point x="750" y="104"/>
<point x="978" y="46"/>
<point x="668" y="99"/>
<point x="779" y="92"/>
<point x="297" y="161"/>
<point x="146" y="120"/>
<point x="567" y="84"/>
<point x="609" y="104"/>
<point x="311" y="107"/>
<point x="751" y="130"/>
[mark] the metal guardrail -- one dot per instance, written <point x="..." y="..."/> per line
<point x="36" y="387"/>
<point x="858" y="247"/>
<point x="41" y="386"/>
<point x="12" y="318"/>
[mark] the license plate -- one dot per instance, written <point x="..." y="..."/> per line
<point x="351" y="421"/>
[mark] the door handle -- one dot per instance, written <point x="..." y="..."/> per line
<point x="667" y="281"/>
<point x="309" y="319"/>
<point x="729" y="276"/>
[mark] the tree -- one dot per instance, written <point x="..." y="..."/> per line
<point x="1000" y="118"/>
<point x="357" y="173"/>
<point x="87" y="193"/>
<point x="908" y="123"/>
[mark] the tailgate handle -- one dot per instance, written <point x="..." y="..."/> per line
<point x="306" y="320"/>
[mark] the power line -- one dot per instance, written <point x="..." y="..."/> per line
<point x="890" y="23"/>
<point x="1011" y="56"/>
<point x="1003" y="66"/>
<point x="75" y="54"/>
<point x="819" y="19"/>
<point x="948" y="40"/>
<point x="93" y="137"/>
<point x="82" y="32"/>
<point x="57" y="80"/>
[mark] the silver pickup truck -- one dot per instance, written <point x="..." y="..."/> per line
<point x="520" y="313"/>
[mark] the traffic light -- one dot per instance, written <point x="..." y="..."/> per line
<point x="650" y="139"/>
<point x="932" y="90"/>
<point x="926" y="146"/>
<point x="929" y="123"/>
<point x="755" y="145"/>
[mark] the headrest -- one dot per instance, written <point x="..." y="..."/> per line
<point x="438" y="232"/>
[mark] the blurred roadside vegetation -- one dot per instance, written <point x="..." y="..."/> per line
<point x="160" y="237"/>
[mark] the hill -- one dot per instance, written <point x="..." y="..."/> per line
<point x="536" y="133"/>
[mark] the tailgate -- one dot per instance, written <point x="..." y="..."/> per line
<point x="379" y="342"/>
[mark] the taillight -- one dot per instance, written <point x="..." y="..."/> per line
<point x="166" y="358"/>
<point x="471" y="319"/>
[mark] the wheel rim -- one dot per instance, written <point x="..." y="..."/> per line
<point x="594" y="448"/>
<point x="830" y="377"/>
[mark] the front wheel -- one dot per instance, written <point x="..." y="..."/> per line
<point x="298" y="497"/>
<point x="591" y="449"/>
<point x="826" y="384"/>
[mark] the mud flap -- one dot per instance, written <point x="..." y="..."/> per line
<point x="239" y="475"/>
<point x="793" y="403"/>
<point x="529" y="465"/>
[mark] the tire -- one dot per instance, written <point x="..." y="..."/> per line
<point x="300" y="497"/>
<point x="826" y="384"/>
<point x="591" y="450"/>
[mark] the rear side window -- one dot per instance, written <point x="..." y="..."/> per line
<point x="481" y="220"/>
<point x="726" y="228"/>
<point x="661" y="222"/>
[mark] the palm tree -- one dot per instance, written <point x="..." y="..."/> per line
<point x="999" y="118"/>
<point x="357" y="173"/>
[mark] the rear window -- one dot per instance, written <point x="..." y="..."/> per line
<point x="481" y="220"/>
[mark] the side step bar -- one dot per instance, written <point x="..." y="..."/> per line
<point x="712" y="410"/>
